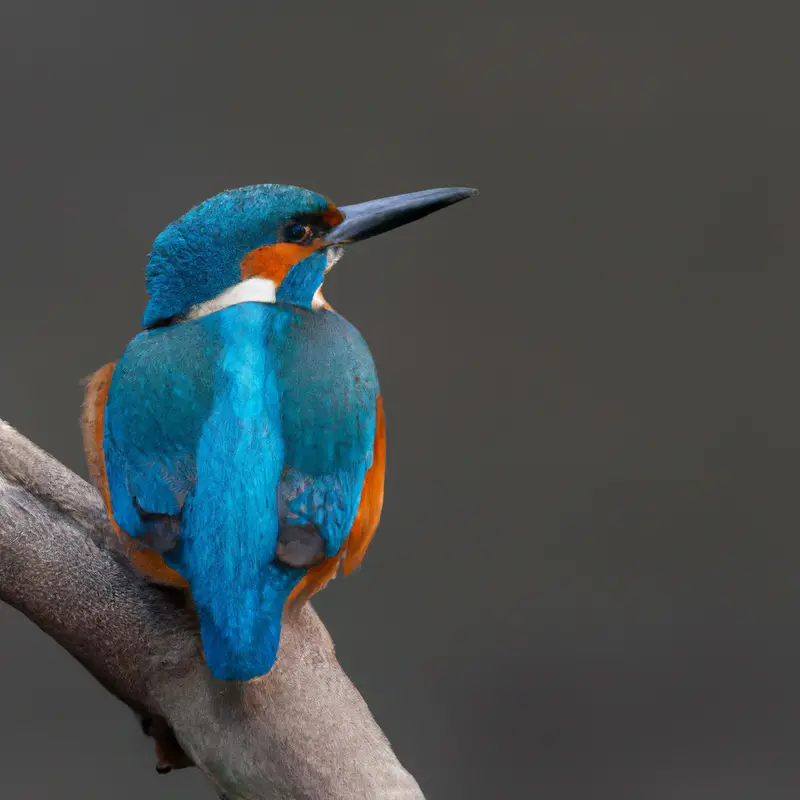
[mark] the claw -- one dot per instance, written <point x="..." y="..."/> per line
<point x="169" y="753"/>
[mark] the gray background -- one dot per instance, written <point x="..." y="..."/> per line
<point x="584" y="585"/>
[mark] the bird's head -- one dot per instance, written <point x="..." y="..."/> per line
<point x="266" y="243"/>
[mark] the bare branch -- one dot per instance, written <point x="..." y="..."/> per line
<point x="303" y="731"/>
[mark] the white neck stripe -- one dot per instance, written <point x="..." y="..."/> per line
<point x="253" y="290"/>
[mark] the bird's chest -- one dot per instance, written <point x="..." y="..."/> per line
<point x="328" y="388"/>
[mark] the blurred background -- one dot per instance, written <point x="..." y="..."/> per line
<point x="585" y="581"/>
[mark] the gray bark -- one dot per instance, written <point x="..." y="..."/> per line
<point x="303" y="731"/>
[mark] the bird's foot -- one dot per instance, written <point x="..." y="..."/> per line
<point x="169" y="753"/>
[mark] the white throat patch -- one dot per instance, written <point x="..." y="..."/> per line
<point x="253" y="290"/>
<point x="333" y="254"/>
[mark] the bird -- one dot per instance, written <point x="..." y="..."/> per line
<point x="239" y="441"/>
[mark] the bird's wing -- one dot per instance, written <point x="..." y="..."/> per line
<point x="366" y="521"/>
<point x="146" y="560"/>
<point x="192" y="435"/>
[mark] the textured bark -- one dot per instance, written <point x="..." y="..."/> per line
<point x="303" y="731"/>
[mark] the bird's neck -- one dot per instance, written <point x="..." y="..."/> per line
<point x="303" y="281"/>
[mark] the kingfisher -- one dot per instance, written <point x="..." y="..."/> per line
<point x="239" y="442"/>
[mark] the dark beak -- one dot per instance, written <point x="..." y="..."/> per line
<point x="378" y="216"/>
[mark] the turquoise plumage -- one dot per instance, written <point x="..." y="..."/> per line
<point x="239" y="440"/>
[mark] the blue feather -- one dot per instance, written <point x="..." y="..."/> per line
<point x="234" y="422"/>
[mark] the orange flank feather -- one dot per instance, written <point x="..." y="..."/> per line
<point x="94" y="401"/>
<point x="366" y="522"/>
<point x="146" y="561"/>
<point x="150" y="564"/>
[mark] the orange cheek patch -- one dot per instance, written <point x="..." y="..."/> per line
<point x="273" y="261"/>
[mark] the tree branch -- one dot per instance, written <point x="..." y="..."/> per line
<point x="303" y="731"/>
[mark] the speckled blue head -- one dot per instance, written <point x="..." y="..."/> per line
<point x="257" y="231"/>
<point x="284" y="236"/>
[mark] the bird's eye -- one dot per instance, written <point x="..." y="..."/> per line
<point x="297" y="233"/>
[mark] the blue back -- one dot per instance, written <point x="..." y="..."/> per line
<point x="227" y="422"/>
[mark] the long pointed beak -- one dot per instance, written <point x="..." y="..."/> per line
<point x="378" y="216"/>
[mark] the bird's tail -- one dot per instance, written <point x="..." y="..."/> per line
<point x="229" y="531"/>
<point x="238" y="591"/>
